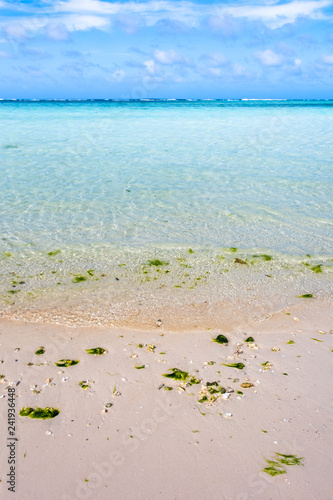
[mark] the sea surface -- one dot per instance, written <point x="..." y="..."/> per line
<point x="122" y="206"/>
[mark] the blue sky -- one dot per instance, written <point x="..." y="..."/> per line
<point x="163" y="48"/>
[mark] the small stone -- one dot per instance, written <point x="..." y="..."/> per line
<point x="159" y="322"/>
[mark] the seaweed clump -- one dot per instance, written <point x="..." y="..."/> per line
<point x="210" y="392"/>
<point x="66" y="362"/>
<point x="221" y="339"/>
<point x="158" y="262"/>
<point x="277" y="466"/>
<point x="41" y="413"/>
<point x="40" y="351"/>
<point x="239" y="366"/>
<point x="96" y="350"/>
<point x="181" y="376"/>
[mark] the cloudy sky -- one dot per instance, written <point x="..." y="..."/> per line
<point x="163" y="48"/>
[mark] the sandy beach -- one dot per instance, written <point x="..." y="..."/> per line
<point x="128" y="432"/>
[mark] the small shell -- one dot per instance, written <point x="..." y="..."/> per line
<point x="226" y="395"/>
<point x="133" y="355"/>
<point x="247" y="385"/>
<point x="159" y="322"/>
<point x="227" y="414"/>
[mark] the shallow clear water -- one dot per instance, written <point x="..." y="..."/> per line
<point x="93" y="178"/>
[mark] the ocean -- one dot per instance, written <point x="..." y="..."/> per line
<point x="117" y="212"/>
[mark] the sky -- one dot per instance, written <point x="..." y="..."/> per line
<point x="166" y="49"/>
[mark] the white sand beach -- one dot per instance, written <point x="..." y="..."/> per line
<point x="126" y="437"/>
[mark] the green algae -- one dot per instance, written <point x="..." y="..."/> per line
<point x="78" y="279"/>
<point x="263" y="256"/>
<point x="168" y="388"/>
<point x="289" y="459"/>
<point x="40" y="351"/>
<point x="40" y="413"/>
<point x="90" y="272"/>
<point x="190" y="250"/>
<point x="317" y="269"/>
<point x="139" y="367"/>
<point x="84" y="384"/>
<point x="239" y="366"/>
<point x="290" y="342"/>
<point x="266" y="366"/>
<point x="221" y="339"/>
<point x="96" y="350"/>
<point x="305" y="296"/>
<point x="66" y="362"/>
<point x="56" y="252"/>
<point x="181" y="376"/>
<point x="274" y="468"/>
<point x="278" y="466"/>
<point x="177" y="374"/>
<point x="233" y="249"/>
<point x="249" y="339"/>
<point x="157" y="262"/>
<point x="240" y="261"/>
<point x="317" y="340"/>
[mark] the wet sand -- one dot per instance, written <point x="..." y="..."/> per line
<point x="126" y="437"/>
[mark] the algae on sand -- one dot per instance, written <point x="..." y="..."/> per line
<point x="158" y="262"/>
<point x="221" y="339"/>
<point x="181" y="376"/>
<point x="96" y="350"/>
<point x="41" y="413"/>
<point x="277" y="466"/>
<point x="239" y="366"/>
<point x="66" y="362"/>
<point x="40" y="351"/>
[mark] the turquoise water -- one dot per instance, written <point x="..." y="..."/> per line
<point x="95" y="179"/>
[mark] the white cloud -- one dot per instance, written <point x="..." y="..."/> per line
<point x="150" y="66"/>
<point x="278" y="15"/>
<point x="327" y="59"/>
<point x="269" y="58"/>
<point x="4" y="54"/>
<point x="87" y="14"/>
<point x="168" y="57"/>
